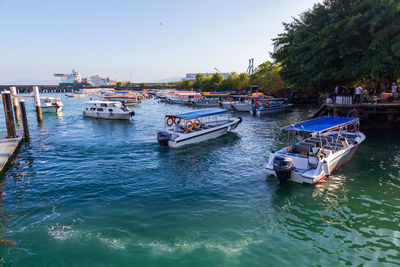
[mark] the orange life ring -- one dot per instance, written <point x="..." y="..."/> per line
<point x="172" y="121"/>
<point x="266" y="105"/>
<point x="195" y="125"/>
<point x="187" y="127"/>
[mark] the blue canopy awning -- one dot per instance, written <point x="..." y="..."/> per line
<point x="321" y="124"/>
<point x="199" y="113"/>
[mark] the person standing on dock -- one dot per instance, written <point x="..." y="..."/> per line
<point x="394" y="90"/>
<point x="358" y="94"/>
<point x="335" y="93"/>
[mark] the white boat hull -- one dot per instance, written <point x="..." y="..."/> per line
<point x="49" y="109"/>
<point x="178" y="101"/>
<point x="204" y="135"/>
<point x="108" y="116"/>
<point x="227" y="105"/>
<point x="242" y="107"/>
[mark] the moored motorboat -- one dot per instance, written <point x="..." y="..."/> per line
<point x="51" y="104"/>
<point x="196" y="126"/>
<point x="111" y="110"/>
<point x="331" y="143"/>
<point x="270" y="105"/>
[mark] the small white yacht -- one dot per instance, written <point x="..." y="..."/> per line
<point x="112" y="110"/>
<point x="51" y="104"/>
<point x="331" y="143"/>
<point x="196" y="126"/>
<point x="242" y="106"/>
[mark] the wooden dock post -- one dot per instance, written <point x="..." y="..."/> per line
<point x="37" y="104"/>
<point x="8" y="113"/>
<point x="24" y="120"/>
<point x="13" y="90"/>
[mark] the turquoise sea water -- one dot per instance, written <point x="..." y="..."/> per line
<point x="88" y="192"/>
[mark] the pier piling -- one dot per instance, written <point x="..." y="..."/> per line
<point x="37" y="104"/>
<point x="8" y="113"/>
<point x="13" y="90"/>
<point x="24" y="120"/>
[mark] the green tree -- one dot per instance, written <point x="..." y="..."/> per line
<point x="267" y="78"/>
<point x="199" y="81"/>
<point x="242" y="82"/>
<point x="184" y="84"/>
<point x="341" y="41"/>
<point x="216" y="79"/>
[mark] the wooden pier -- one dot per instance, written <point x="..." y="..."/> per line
<point x="372" y="115"/>
<point x="8" y="147"/>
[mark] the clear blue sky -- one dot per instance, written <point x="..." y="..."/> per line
<point x="141" y="41"/>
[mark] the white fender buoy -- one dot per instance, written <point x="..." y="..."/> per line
<point x="325" y="167"/>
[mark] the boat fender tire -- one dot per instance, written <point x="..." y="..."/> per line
<point x="240" y="120"/>
<point x="197" y="123"/>
<point x="170" y="121"/>
<point x="187" y="127"/>
<point x="132" y="113"/>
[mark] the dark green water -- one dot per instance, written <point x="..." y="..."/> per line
<point x="88" y="192"/>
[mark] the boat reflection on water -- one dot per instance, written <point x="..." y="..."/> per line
<point x="195" y="159"/>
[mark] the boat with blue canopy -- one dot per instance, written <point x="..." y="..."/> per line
<point x="316" y="148"/>
<point x="196" y="126"/>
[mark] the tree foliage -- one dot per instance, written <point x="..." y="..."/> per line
<point x="340" y="42"/>
<point x="267" y="78"/>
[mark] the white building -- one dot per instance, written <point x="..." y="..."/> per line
<point x="192" y="76"/>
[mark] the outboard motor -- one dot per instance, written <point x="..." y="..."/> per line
<point x="283" y="168"/>
<point x="163" y="138"/>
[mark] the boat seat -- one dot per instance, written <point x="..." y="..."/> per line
<point x="302" y="148"/>
<point x="323" y="139"/>
<point x="311" y="145"/>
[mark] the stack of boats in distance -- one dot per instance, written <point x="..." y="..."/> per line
<point x="256" y="104"/>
